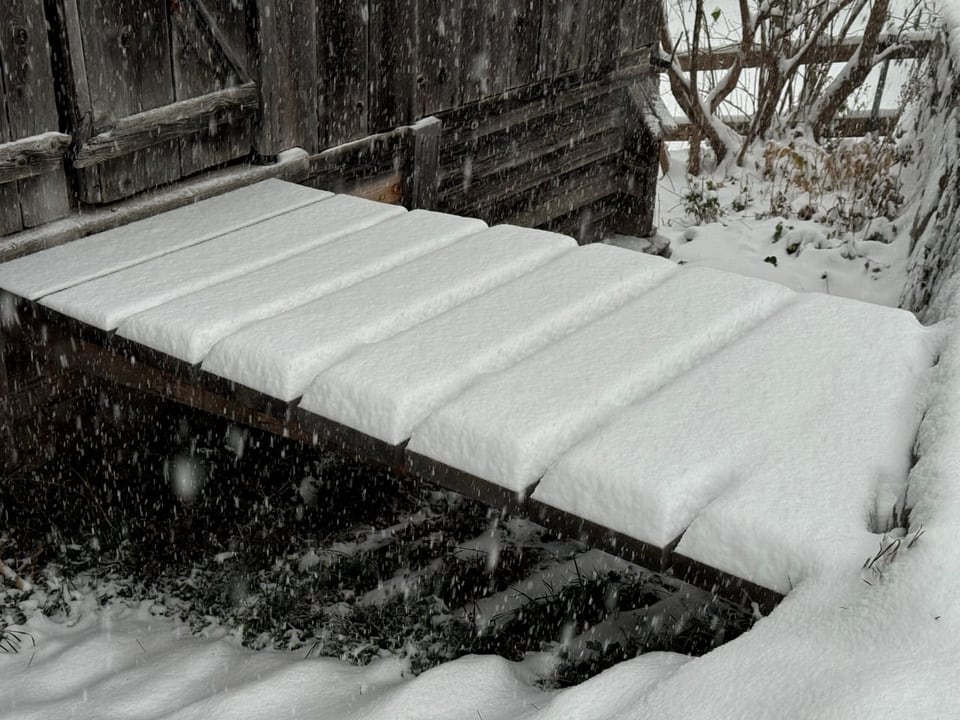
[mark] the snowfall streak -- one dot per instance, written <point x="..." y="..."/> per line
<point x="657" y="411"/>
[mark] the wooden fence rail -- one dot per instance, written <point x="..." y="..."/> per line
<point x="896" y="47"/>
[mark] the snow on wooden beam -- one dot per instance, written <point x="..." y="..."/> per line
<point x="168" y="122"/>
<point x="35" y="155"/>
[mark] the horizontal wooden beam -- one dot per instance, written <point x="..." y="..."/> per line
<point x="723" y="58"/>
<point x="36" y="155"/>
<point x="855" y="124"/>
<point x="168" y="122"/>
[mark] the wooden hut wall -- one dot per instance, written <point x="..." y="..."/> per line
<point x="537" y="125"/>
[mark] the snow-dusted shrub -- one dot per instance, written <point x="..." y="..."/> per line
<point x="701" y="201"/>
<point x="842" y="183"/>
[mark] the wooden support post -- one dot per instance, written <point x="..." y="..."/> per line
<point x="288" y="72"/>
<point x="421" y="184"/>
<point x="641" y="151"/>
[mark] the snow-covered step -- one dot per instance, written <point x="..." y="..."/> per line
<point x="189" y="326"/>
<point x="106" y="301"/>
<point x="67" y="265"/>
<point x="772" y="455"/>
<point x="388" y="388"/>
<point x="280" y="356"/>
<point x="511" y="426"/>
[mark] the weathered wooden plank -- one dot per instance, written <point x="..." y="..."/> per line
<point x="392" y="64"/>
<point x="500" y="46"/>
<point x="628" y="24"/>
<point x="422" y="181"/>
<point x="474" y="120"/>
<point x="31" y="156"/>
<point x="502" y="187"/>
<point x="641" y="151"/>
<point x="126" y="56"/>
<point x="468" y="161"/>
<point x="650" y="15"/>
<point x="288" y="74"/>
<point x="159" y="125"/>
<point x="602" y="41"/>
<point x="563" y="31"/>
<point x="440" y="57"/>
<point x="565" y="195"/>
<point x="343" y="31"/>
<point x="209" y="53"/>
<point x="10" y="219"/>
<point x="31" y="106"/>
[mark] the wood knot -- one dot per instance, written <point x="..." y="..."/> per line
<point x="20" y="35"/>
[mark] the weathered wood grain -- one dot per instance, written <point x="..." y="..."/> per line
<point x="30" y="104"/>
<point x="159" y="125"/>
<point x="288" y="68"/>
<point x="210" y="52"/>
<point x="10" y="219"/>
<point x="392" y="64"/>
<point x="639" y="163"/>
<point x="422" y="177"/>
<point x="440" y="57"/>
<point x="125" y="51"/>
<point x="31" y="156"/>
<point x="343" y="58"/>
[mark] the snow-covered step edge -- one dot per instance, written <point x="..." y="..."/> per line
<point x="697" y="461"/>
<point x="107" y="301"/>
<point x="189" y="326"/>
<point x="282" y="355"/>
<point x="48" y="271"/>
<point x="510" y="427"/>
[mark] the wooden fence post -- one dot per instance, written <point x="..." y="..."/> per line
<point x="288" y="68"/>
<point x="421" y="181"/>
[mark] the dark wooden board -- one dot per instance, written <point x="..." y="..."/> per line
<point x="343" y="33"/>
<point x="288" y="76"/>
<point x="422" y="176"/>
<point x="392" y="66"/>
<point x="126" y="55"/>
<point x="204" y="61"/>
<point x="36" y="155"/>
<point x="30" y="104"/>
<point x="440" y="58"/>
<point x="563" y="36"/>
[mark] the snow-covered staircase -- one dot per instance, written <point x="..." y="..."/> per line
<point x="710" y="419"/>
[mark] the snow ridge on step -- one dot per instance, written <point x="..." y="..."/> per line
<point x="511" y="426"/>
<point x="189" y="326"/>
<point x="58" y="268"/>
<point x="279" y="356"/>
<point x="108" y="300"/>
<point x="387" y="389"/>
<point x="773" y="452"/>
